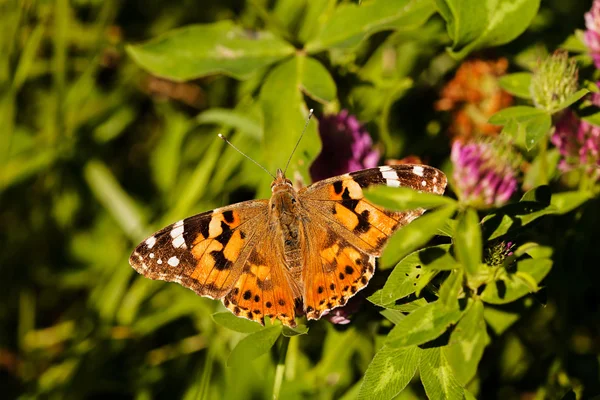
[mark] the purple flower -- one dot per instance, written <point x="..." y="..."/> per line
<point x="592" y="34"/>
<point x="577" y="141"/>
<point x="497" y="252"/>
<point x="341" y="316"/>
<point x="482" y="177"/>
<point x="347" y="147"/>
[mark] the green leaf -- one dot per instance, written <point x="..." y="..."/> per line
<point x="403" y="198"/>
<point x="297" y="331"/>
<point x="199" y="50"/>
<point x="509" y="286"/>
<point x="468" y="243"/>
<point x="111" y="195"/>
<point x="568" y="201"/>
<point x="233" y="119"/>
<point x="237" y="324"/>
<point x="285" y="115"/>
<point x="536" y="129"/>
<point x="514" y="217"/>
<point x="541" y="194"/>
<point x="517" y="84"/>
<point x="499" y="320"/>
<point x="571" y="99"/>
<point x="254" y="345"/>
<point x="541" y="169"/>
<point x="414" y="272"/>
<point x="450" y="290"/>
<point x="351" y="23"/>
<point x="316" y="81"/>
<point x="517" y="113"/>
<point x="473" y="24"/>
<point x="437" y="376"/>
<point x="422" y="325"/>
<point x="389" y="373"/>
<point x="416" y="234"/>
<point x="467" y="342"/>
<point x="575" y="43"/>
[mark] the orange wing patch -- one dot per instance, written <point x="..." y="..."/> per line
<point x="263" y="288"/>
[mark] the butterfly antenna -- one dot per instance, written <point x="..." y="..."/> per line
<point x="310" y="114"/>
<point x="244" y="154"/>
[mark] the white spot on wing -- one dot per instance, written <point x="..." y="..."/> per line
<point x="159" y="261"/>
<point x="385" y="168"/>
<point x="179" y="242"/>
<point x="418" y="170"/>
<point x="393" y="182"/>
<point x="177" y="231"/>
<point x="173" y="261"/>
<point x="150" y="242"/>
<point x="424" y="183"/>
<point x="151" y="255"/>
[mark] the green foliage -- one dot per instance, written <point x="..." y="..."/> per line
<point x="110" y="115"/>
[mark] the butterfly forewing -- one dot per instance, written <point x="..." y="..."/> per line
<point x="202" y="252"/>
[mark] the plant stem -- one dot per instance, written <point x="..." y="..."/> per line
<point x="543" y="161"/>
<point x="280" y="370"/>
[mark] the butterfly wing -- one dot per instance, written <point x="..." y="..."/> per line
<point x="205" y="252"/>
<point x="265" y="286"/>
<point x="349" y="231"/>
<point x="230" y="254"/>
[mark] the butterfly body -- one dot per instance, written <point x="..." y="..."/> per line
<point x="312" y="248"/>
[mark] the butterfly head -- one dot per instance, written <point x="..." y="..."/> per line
<point x="281" y="182"/>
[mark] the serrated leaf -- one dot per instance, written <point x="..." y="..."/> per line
<point x="402" y="198"/>
<point x="468" y="243"/>
<point x="352" y="23"/>
<point x="422" y="325"/>
<point x="416" y="234"/>
<point x="413" y="272"/>
<point x="517" y="84"/>
<point x="473" y="24"/>
<point x="437" y="376"/>
<point x="389" y="373"/>
<point x="467" y="343"/>
<point x="199" y="50"/>
<point x="237" y="324"/>
<point x="509" y="287"/>
<point x="254" y="345"/>
<point x="316" y="81"/>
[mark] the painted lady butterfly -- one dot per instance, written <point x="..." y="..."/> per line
<point x="309" y="249"/>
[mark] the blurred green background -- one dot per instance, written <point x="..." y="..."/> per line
<point x="96" y="154"/>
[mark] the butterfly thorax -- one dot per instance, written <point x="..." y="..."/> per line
<point x="286" y="214"/>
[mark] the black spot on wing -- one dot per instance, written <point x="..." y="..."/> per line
<point x="363" y="222"/>
<point x="338" y="186"/>
<point x="221" y="262"/>
<point x="366" y="178"/>
<point x="348" y="201"/>
<point x="228" y="216"/>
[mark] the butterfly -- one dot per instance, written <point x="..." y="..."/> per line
<point x="306" y="250"/>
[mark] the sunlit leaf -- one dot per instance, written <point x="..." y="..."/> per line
<point x="468" y="242"/>
<point x="316" y="81"/>
<point x="422" y="325"/>
<point x="254" y="345"/>
<point x="402" y="198"/>
<point x="416" y="234"/>
<point x="389" y="372"/>
<point x="509" y="286"/>
<point x="237" y="324"/>
<point x="351" y="23"/>
<point x="517" y="84"/>
<point x="437" y="376"/>
<point x="199" y="50"/>
<point x="467" y="342"/>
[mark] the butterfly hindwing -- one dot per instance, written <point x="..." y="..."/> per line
<point x="264" y="287"/>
